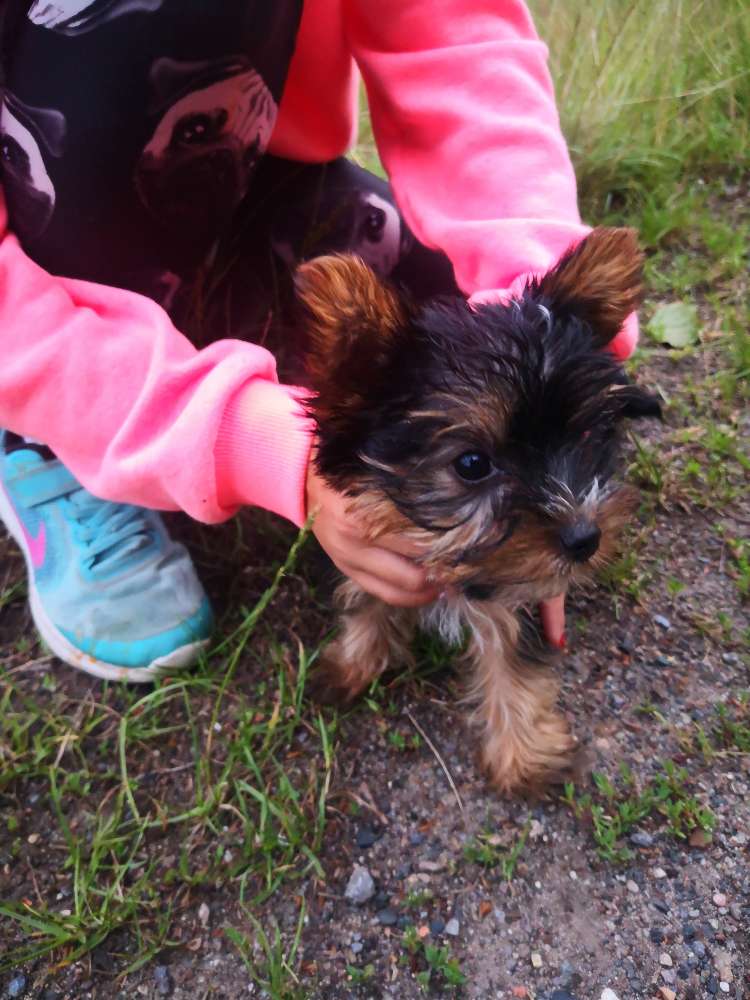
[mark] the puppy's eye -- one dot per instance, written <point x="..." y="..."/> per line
<point x="473" y="466"/>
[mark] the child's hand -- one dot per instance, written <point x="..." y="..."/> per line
<point x="383" y="570"/>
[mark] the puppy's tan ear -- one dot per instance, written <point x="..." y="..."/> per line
<point x="353" y="319"/>
<point x="600" y="281"/>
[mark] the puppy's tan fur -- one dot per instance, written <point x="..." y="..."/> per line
<point x="524" y="740"/>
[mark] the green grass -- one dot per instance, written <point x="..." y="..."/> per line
<point x="274" y="971"/>
<point x="650" y="94"/>
<point x="728" y="733"/>
<point x="151" y="798"/>
<point x="129" y="831"/>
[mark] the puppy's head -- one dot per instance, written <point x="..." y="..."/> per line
<point x="490" y="431"/>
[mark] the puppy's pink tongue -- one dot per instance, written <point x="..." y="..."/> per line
<point x="553" y="620"/>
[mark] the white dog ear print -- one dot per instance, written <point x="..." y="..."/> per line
<point x="25" y="134"/>
<point x="216" y="122"/>
<point x="75" y="17"/>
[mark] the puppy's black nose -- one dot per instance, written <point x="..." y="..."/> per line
<point x="580" y="540"/>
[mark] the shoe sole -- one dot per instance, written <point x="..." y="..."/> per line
<point x="183" y="656"/>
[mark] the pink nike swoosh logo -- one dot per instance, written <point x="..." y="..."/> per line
<point x="37" y="545"/>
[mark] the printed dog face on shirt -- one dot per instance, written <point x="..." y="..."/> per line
<point x="361" y="223"/>
<point x="75" y="17"/>
<point x="25" y="133"/>
<point x="216" y="121"/>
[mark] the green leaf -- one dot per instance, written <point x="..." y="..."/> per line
<point x="675" y="324"/>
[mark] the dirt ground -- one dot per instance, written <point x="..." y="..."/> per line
<point x="652" y="652"/>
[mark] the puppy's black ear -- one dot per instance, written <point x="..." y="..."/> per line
<point x="599" y="281"/>
<point x="634" y="402"/>
<point x="353" y="321"/>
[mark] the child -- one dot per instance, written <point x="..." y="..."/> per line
<point x="135" y="133"/>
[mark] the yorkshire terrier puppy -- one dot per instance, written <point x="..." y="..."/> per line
<point x="489" y="435"/>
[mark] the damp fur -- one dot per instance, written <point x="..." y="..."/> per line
<point x="402" y="394"/>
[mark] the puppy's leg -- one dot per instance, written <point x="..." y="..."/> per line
<point x="372" y="636"/>
<point x="525" y="742"/>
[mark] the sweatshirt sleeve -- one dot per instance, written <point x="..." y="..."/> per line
<point x="133" y="409"/>
<point x="464" y="115"/>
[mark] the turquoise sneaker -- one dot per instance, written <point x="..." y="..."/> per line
<point x="109" y="591"/>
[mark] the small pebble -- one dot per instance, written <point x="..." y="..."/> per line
<point x="356" y="947"/>
<point x="719" y="899"/>
<point x="662" y="622"/>
<point x="659" y="873"/>
<point x="452" y="927"/>
<point x="723" y="986"/>
<point x="437" y="926"/>
<point x="731" y="659"/>
<point x="699" y="948"/>
<point x="415" y="839"/>
<point x="163" y="980"/>
<point x="381" y="900"/>
<point x="688" y="932"/>
<point x="665" y="960"/>
<point x="431" y="866"/>
<point x="366" y="837"/>
<point x="567" y="971"/>
<point x="360" y="887"/>
<point x="712" y="985"/>
<point x="387" y="917"/>
<point x="536" y="960"/>
<point x="608" y="994"/>
<point x="16" y="986"/>
<point x="632" y="886"/>
<point x="204" y="914"/>
<point x="641" y="839"/>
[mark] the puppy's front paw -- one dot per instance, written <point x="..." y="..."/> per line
<point x="530" y="761"/>
<point x="334" y="683"/>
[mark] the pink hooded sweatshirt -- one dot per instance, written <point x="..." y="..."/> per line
<point x="464" y="116"/>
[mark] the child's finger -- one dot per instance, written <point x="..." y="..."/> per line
<point x="402" y="545"/>
<point x="393" y="569"/>
<point x="391" y="594"/>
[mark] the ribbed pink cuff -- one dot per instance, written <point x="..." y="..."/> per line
<point x="263" y="448"/>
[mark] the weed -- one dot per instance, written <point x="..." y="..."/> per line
<point x="740" y="551"/>
<point x="727" y="734"/>
<point x="360" y="977"/>
<point x="616" y="807"/>
<point x="415" y="899"/>
<point x="274" y="970"/>
<point x="487" y="850"/>
<point x="433" y="965"/>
